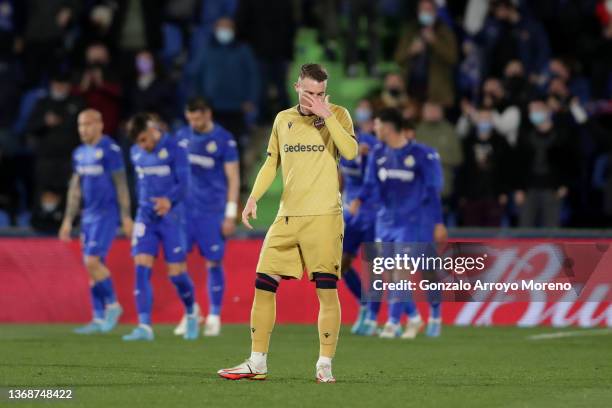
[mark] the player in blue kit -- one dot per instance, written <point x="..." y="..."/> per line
<point x="358" y="226"/>
<point x="405" y="177"/>
<point x="212" y="200"/>
<point x="162" y="172"/>
<point x="99" y="181"/>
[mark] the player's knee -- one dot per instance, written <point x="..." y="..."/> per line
<point x="176" y="268"/>
<point x="325" y="280"/>
<point x="144" y="260"/>
<point x="266" y="282"/>
<point x="92" y="263"/>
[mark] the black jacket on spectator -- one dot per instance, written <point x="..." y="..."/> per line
<point x="487" y="167"/>
<point x="269" y="27"/>
<point x="152" y="11"/>
<point x="546" y="160"/>
<point x="158" y="97"/>
<point x="53" y="145"/>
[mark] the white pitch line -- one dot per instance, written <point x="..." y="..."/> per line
<point x="576" y="333"/>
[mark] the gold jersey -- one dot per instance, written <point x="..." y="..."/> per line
<point x="308" y="157"/>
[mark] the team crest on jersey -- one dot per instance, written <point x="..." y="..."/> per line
<point x="211" y="147"/>
<point x="319" y="123"/>
<point x="99" y="153"/>
<point x="289" y="125"/>
<point x="409" y="161"/>
<point x="163" y="153"/>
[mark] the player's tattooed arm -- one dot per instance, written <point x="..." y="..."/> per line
<point x="73" y="203"/>
<point x="123" y="198"/>
<point x="123" y="193"/>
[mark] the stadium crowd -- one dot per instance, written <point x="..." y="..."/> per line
<point x="516" y="96"/>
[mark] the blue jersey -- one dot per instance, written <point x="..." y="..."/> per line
<point x="353" y="174"/>
<point x="407" y="184"/>
<point x="95" y="165"/>
<point x="207" y="153"/>
<point x="163" y="172"/>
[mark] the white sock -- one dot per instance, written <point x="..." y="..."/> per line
<point x="146" y="327"/>
<point x="259" y="359"/>
<point x="415" y="319"/>
<point x="324" y="361"/>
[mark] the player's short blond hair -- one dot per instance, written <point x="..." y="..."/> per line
<point x="313" y="71"/>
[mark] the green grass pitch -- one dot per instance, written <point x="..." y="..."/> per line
<point x="466" y="367"/>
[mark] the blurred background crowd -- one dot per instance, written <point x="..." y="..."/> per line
<point x="516" y="95"/>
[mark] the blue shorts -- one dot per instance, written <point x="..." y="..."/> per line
<point x="412" y="239"/>
<point x="205" y="232"/>
<point x="415" y="229"/>
<point x="170" y="230"/>
<point x="356" y="232"/>
<point x="97" y="236"/>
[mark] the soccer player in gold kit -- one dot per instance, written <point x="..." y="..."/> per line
<point x="306" y="142"/>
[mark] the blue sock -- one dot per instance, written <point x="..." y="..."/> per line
<point x="184" y="288"/>
<point x="435" y="310"/>
<point x="353" y="283"/>
<point x="109" y="291"/>
<point x="397" y="303"/>
<point x="411" y="309"/>
<point x="216" y="287"/>
<point x="373" y="309"/>
<point x="97" y="301"/>
<point x="395" y="311"/>
<point x="144" y="294"/>
<point x="435" y="303"/>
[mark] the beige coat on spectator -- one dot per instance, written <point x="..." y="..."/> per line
<point x="443" y="57"/>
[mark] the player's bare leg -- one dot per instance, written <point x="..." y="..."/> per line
<point x="263" y="316"/>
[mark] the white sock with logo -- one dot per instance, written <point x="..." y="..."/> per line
<point x="324" y="361"/>
<point x="259" y="359"/>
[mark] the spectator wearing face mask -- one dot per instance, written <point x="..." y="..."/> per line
<point x="393" y="93"/>
<point x="505" y="117"/>
<point x="363" y="117"/>
<point x="151" y="91"/>
<point x="435" y="131"/>
<point x="546" y="165"/>
<point x="427" y="52"/>
<point x="482" y="181"/>
<point x="559" y="70"/>
<point x="225" y="74"/>
<point x="52" y="135"/>
<point x="518" y="89"/>
<point x="99" y="87"/>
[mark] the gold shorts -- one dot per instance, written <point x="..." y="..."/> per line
<point x="294" y="243"/>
